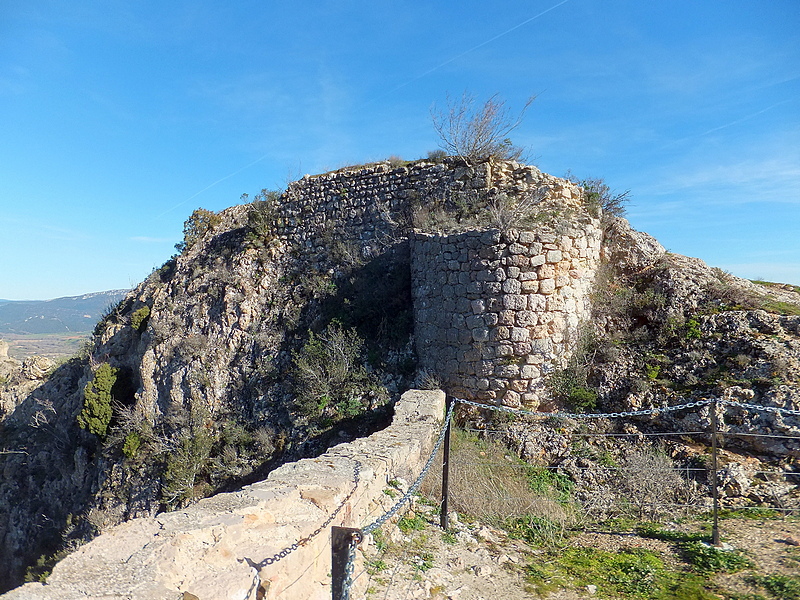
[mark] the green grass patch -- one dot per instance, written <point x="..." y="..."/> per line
<point x="757" y="513"/>
<point x="781" y="308"/>
<point x="708" y="559"/>
<point x="628" y="573"/>
<point x="778" y="585"/>
<point x="411" y="523"/>
<point x="535" y="530"/>
<point x="695" y="549"/>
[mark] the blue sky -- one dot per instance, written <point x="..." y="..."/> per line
<point x="117" y="119"/>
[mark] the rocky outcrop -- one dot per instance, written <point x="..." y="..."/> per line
<point x="292" y="323"/>
<point x="208" y="550"/>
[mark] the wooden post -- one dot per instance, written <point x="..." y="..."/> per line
<point x="714" y="482"/>
<point x="445" y="469"/>
<point x="341" y="538"/>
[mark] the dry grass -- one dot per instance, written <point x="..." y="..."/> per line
<point x="490" y="484"/>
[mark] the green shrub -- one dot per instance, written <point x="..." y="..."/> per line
<point x="262" y="218"/>
<point x="568" y="386"/>
<point x="196" y="226"/>
<point x="96" y="413"/>
<point x="536" y="530"/>
<point x="140" y="317"/>
<point x="652" y="371"/>
<point x="706" y="559"/>
<point x="330" y="377"/>
<point x="437" y="156"/>
<point x="478" y="132"/>
<point x="133" y="441"/>
<point x="411" y="523"/>
<point x="188" y="460"/>
<point x="597" y="196"/>
<point x="692" y="329"/>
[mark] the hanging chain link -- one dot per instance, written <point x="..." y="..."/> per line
<point x="350" y="568"/>
<point x="564" y="415"/>
<point x="772" y="409"/>
<point x="413" y="487"/>
<point x="303" y="541"/>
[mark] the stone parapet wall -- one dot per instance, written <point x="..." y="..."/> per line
<point x="372" y="205"/>
<point x="199" y="553"/>
<point x="494" y="311"/>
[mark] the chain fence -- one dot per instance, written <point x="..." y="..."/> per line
<point x="700" y="480"/>
<point x="694" y="476"/>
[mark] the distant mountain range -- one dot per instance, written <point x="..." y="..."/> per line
<point x="61" y="315"/>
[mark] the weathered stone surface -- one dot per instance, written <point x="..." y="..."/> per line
<point x="207" y="549"/>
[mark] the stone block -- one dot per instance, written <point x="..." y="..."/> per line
<point x="463" y="306"/>
<point x="507" y="371"/>
<point x="478" y="306"/>
<point x="527" y="237"/>
<point x="511" y="399"/>
<point x="537" y="260"/>
<point x="517" y="249"/>
<point x="525" y="318"/>
<point x="512" y="286"/>
<point x="537" y="303"/>
<point x="553" y="256"/>
<point x="530" y="372"/>
<point x="547" y="286"/>
<point x="484" y="368"/>
<point x="519" y="334"/>
<point x="491" y="319"/>
<point x="501" y="332"/>
<point x="529" y="287"/>
<point x="547" y="271"/>
<point x="512" y="272"/>
<point x="502" y="350"/>
<point x="480" y="334"/>
<point x="475" y="322"/>
<point x="518" y="385"/>
<point x="521" y="348"/>
<point x="555" y="303"/>
<point x="517" y="301"/>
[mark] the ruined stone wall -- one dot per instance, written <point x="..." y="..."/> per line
<point x="496" y="311"/>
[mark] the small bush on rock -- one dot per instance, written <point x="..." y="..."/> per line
<point x="329" y="376"/>
<point x="196" y="226"/>
<point x="139" y="318"/>
<point x="96" y="413"/>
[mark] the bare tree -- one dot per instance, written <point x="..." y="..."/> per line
<point x="478" y="132"/>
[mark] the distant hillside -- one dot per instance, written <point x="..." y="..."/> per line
<point x="62" y="315"/>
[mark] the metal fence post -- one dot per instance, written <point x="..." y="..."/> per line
<point x="446" y="468"/>
<point x="342" y="540"/>
<point x="714" y="482"/>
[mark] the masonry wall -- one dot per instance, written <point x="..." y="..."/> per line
<point x="494" y="312"/>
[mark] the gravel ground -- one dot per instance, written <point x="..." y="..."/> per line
<point x="480" y="562"/>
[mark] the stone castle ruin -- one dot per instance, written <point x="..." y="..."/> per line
<point x="494" y="310"/>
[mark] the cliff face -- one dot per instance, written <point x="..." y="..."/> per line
<point x="293" y="322"/>
<point x="283" y="326"/>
